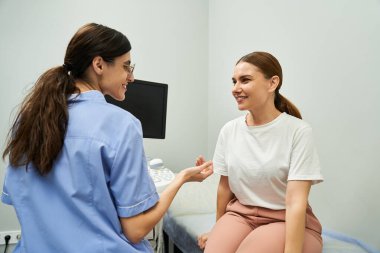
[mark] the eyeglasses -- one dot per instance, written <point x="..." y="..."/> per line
<point x="129" y="68"/>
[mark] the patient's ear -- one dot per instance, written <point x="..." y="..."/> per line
<point x="274" y="81"/>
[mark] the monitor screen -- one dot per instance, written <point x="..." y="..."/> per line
<point x="147" y="102"/>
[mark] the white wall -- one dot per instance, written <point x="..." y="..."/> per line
<point x="169" y="45"/>
<point x="330" y="54"/>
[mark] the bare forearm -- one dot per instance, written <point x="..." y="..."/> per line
<point x="158" y="211"/>
<point x="145" y="222"/>
<point x="297" y="194"/>
<point x="295" y="228"/>
<point x="224" y="196"/>
<point x="137" y="227"/>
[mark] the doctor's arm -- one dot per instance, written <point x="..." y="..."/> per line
<point x="137" y="227"/>
<point x="297" y="194"/>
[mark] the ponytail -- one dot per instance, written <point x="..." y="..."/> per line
<point x="38" y="131"/>
<point x="284" y="105"/>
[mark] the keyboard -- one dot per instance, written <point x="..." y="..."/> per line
<point x="161" y="175"/>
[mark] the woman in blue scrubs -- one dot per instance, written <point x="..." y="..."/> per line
<point x="77" y="174"/>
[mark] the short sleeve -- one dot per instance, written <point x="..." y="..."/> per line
<point x="130" y="183"/>
<point x="5" y="196"/>
<point x="304" y="160"/>
<point x="219" y="162"/>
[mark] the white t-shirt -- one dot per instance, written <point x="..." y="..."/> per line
<point x="260" y="160"/>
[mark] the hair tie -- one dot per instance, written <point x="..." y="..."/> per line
<point x="67" y="69"/>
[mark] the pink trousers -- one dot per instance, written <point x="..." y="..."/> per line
<point x="249" y="229"/>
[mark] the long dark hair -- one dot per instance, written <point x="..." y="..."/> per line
<point x="38" y="132"/>
<point x="270" y="67"/>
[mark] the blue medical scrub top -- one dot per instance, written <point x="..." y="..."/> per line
<point x="100" y="175"/>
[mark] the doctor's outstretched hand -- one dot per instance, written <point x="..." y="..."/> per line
<point x="197" y="173"/>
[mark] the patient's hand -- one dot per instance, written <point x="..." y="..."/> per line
<point x="202" y="239"/>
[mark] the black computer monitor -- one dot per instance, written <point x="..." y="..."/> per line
<point x="147" y="101"/>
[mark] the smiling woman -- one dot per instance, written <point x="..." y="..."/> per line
<point x="76" y="157"/>
<point x="267" y="162"/>
<point x="259" y="75"/>
<point x="111" y="78"/>
<point x="39" y="130"/>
